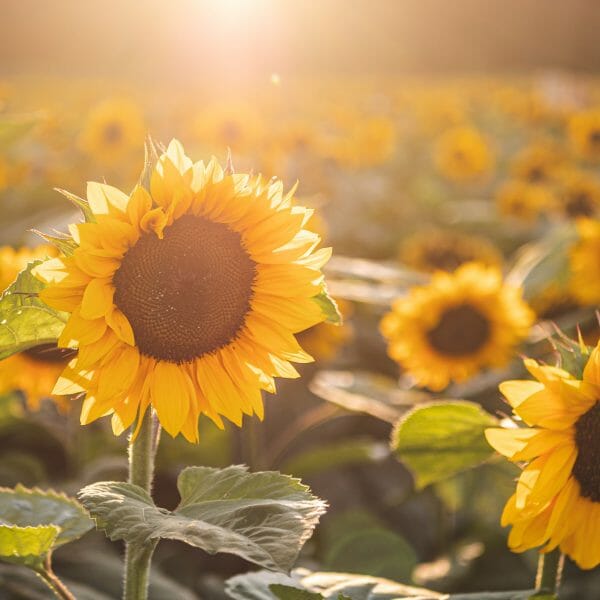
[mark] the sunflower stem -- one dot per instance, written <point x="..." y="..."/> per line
<point x="549" y="571"/>
<point x="53" y="582"/>
<point x="141" y="472"/>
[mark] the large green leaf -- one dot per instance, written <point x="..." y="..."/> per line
<point x="333" y="586"/>
<point x="263" y="517"/>
<point x="27" y="545"/>
<point x="441" y="439"/>
<point x="34" y="522"/>
<point x="287" y="592"/>
<point x="25" y="321"/>
<point x="330" y="586"/>
<point x="24" y="507"/>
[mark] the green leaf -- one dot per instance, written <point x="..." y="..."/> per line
<point x="25" y="321"/>
<point x="27" y="545"/>
<point x="286" y="592"/>
<point x="80" y="203"/>
<point x="34" y="522"/>
<point x="441" y="439"/>
<point x="328" y="306"/>
<point x="24" y="507"/>
<point x="331" y="586"/>
<point x="373" y="551"/>
<point x="263" y="517"/>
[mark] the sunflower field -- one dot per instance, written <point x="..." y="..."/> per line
<point x="294" y="309"/>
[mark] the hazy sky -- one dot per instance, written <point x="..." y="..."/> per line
<point x="243" y="38"/>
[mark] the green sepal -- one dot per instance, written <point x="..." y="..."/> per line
<point x="329" y="307"/>
<point x="80" y="203"/>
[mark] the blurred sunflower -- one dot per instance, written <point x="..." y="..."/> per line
<point x="457" y="325"/>
<point x="445" y="250"/>
<point x="579" y="195"/>
<point x="462" y="154"/>
<point x="585" y="262"/>
<point x="584" y="133"/>
<point x="35" y="371"/>
<point x="113" y="130"/>
<point x="185" y="297"/>
<point x="368" y="142"/>
<point x="557" y="499"/>
<point x="237" y="127"/>
<point x="537" y="163"/>
<point x="524" y="201"/>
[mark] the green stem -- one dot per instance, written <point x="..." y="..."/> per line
<point x="52" y="581"/>
<point x="141" y="472"/>
<point x="549" y="572"/>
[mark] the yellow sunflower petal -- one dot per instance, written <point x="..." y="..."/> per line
<point x="172" y="393"/>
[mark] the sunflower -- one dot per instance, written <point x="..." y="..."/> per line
<point x="524" y="201"/>
<point x="584" y="134"/>
<point x="113" y="131"/>
<point x="458" y="324"/>
<point x="579" y="195"/>
<point x="557" y="498"/>
<point x="367" y="142"/>
<point x="235" y="126"/>
<point x="585" y="262"/>
<point x="462" y="154"/>
<point x="537" y="163"/>
<point x="445" y="250"/>
<point x="185" y="296"/>
<point x="34" y="371"/>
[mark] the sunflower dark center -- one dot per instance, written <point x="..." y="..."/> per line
<point x="113" y="133"/>
<point x="231" y="132"/>
<point x="49" y="353"/>
<point x="594" y="138"/>
<point x="587" y="465"/>
<point x="460" y="331"/>
<point x="579" y="205"/>
<point x="536" y="174"/>
<point x="187" y="294"/>
<point x="446" y="259"/>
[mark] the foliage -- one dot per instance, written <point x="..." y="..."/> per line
<point x="26" y="320"/>
<point x="441" y="439"/>
<point x="262" y="517"/>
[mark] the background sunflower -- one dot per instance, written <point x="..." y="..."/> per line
<point x="455" y="326"/>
